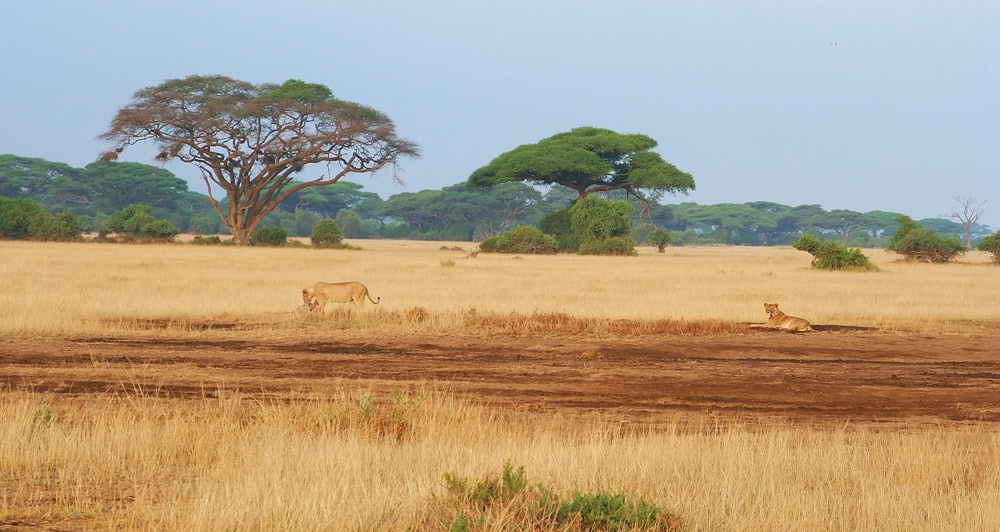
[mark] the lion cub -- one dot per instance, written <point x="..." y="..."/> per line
<point x="780" y="320"/>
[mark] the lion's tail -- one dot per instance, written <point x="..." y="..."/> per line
<point x="374" y="301"/>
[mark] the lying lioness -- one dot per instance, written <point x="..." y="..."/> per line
<point x="319" y="294"/>
<point x="780" y="320"/>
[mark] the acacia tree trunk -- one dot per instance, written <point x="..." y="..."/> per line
<point x="240" y="236"/>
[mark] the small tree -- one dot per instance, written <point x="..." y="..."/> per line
<point x="660" y="238"/>
<point x="833" y="256"/>
<point x="326" y="234"/>
<point x="991" y="244"/>
<point x="917" y="243"/>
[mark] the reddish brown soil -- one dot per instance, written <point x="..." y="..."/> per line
<point x="836" y="375"/>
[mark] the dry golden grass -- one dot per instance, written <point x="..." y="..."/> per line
<point x="351" y="463"/>
<point x="94" y="289"/>
<point x="344" y="462"/>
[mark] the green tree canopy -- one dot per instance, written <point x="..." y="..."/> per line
<point x="484" y="212"/>
<point x="250" y="140"/>
<point x="327" y="201"/>
<point x="27" y="177"/>
<point x="588" y="160"/>
<point x="117" y="185"/>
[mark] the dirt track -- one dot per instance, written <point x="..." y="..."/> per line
<point x="832" y="376"/>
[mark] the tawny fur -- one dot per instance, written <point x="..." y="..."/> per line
<point x="319" y="294"/>
<point x="780" y="320"/>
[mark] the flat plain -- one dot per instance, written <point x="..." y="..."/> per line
<point x="636" y="349"/>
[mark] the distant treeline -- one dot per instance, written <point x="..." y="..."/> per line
<point x="456" y="212"/>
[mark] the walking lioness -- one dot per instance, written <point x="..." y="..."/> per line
<point x="780" y="320"/>
<point x="319" y="294"/>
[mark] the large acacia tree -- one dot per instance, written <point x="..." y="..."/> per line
<point x="250" y="140"/>
<point x="588" y="160"/>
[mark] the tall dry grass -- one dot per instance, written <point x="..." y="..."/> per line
<point x="86" y="289"/>
<point x="351" y="463"/>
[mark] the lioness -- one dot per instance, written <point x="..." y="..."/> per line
<point x="319" y="294"/>
<point x="780" y="320"/>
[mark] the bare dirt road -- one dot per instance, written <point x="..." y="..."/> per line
<point x="837" y="375"/>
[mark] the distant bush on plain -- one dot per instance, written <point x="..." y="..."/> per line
<point x="25" y="219"/>
<point x="914" y="242"/>
<point x="269" y="236"/>
<point x="327" y="234"/>
<point x="991" y="245"/>
<point x="833" y="256"/>
<point x="136" y="222"/>
<point x="526" y="239"/>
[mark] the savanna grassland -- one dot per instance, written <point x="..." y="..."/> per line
<point x="169" y="387"/>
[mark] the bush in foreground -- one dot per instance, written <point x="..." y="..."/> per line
<point x="833" y="256"/>
<point x="508" y="500"/>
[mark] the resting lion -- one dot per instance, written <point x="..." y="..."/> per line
<point x="319" y="294"/>
<point x="780" y="320"/>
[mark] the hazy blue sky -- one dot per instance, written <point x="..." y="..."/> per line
<point x="752" y="97"/>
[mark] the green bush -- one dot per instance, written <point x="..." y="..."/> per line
<point x="61" y="227"/>
<point x="991" y="244"/>
<point x="269" y="236"/>
<point x="525" y="239"/>
<point x="833" y="256"/>
<point x="603" y="226"/>
<point x="327" y="234"/>
<point x="136" y="222"/>
<point x="660" y="238"/>
<point x="619" y="245"/>
<point x="808" y="243"/>
<point x="558" y="226"/>
<point x="483" y="504"/>
<point x="917" y="243"/>
<point x="23" y="218"/>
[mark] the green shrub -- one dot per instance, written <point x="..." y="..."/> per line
<point x="510" y="497"/>
<point x="917" y="243"/>
<point x="62" y="227"/>
<point x="269" y="236"/>
<point x="660" y="238"/>
<point x="558" y="226"/>
<point x="525" y="239"/>
<point x="808" y="243"/>
<point x="327" y="234"/>
<point x="603" y="226"/>
<point x="991" y="244"/>
<point x="23" y="218"/>
<point x="136" y="222"/>
<point x="619" y="245"/>
<point x="833" y="256"/>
